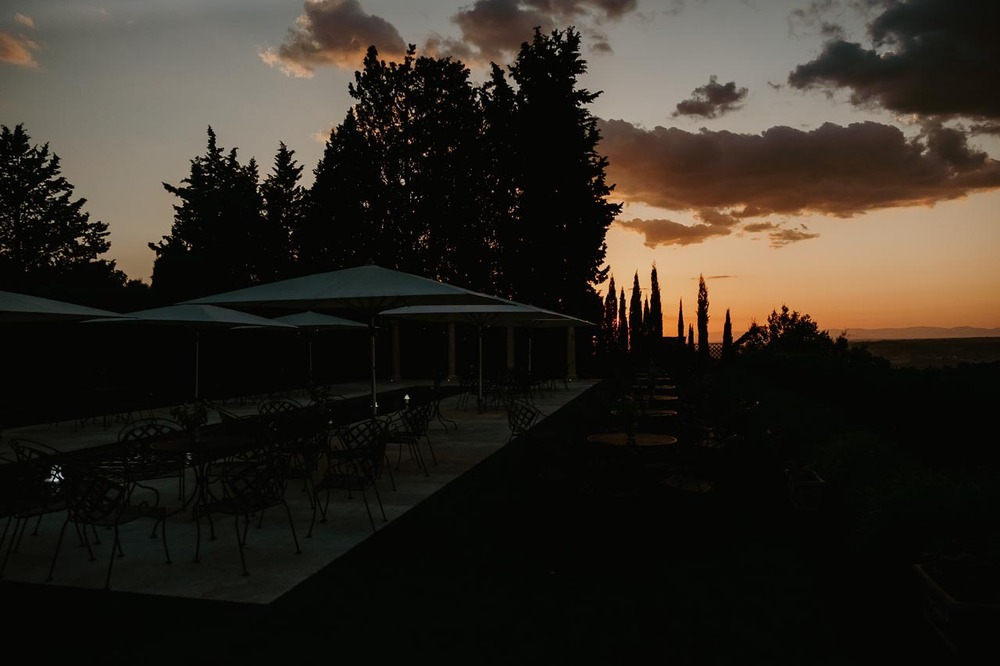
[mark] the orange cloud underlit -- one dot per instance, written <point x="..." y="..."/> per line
<point x="17" y="50"/>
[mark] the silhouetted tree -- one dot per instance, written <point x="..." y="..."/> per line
<point x="703" y="351"/>
<point x="215" y="243"/>
<point x="788" y="331"/>
<point x="635" y="316"/>
<point x="335" y="231"/>
<point x="655" y="317"/>
<point x="498" y="192"/>
<point x="727" y="338"/>
<point x="623" y="332"/>
<point x="691" y="337"/>
<point x="284" y="207"/>
<point x="48" y="245"/>
<point x="680" y="320"/>
<point x="563" y="192"/>
<point x="609" y="326"/>
<point x="646" y="324"/>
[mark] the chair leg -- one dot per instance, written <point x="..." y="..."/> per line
<point x="239" y="543"/>
<point x="116" y="545"/>
<point x="291" y="523"/>
<point x="55" y="555"/>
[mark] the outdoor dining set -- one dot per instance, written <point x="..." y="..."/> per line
<point x="239" y="467"/>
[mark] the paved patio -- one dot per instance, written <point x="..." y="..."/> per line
<point x="274" y="566"/>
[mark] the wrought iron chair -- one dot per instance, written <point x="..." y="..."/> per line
<point x="277" y="406"/>
<point x="302" y="436"/>
<point x="409" y="428"/>
<point x="32" y="486"/>
<point x="244" y="490"/>
<point x="96" y="499"/>
<point x="356" y="467"/>
<point x="141" y="462"/>
<point x="521" y="417"/>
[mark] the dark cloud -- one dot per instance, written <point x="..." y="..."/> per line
<point x="333" y="32"/>
<point x="933" y="58"/>
<point x="782" y="237"/>
<point x="668" y="232"/>
<point x="493" y="30"/>
<point x="835" y="170"/>
<point x="712" y="100"/>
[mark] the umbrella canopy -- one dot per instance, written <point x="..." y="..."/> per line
<point x="195" y="317"/>
<point x="369" y="290"/>
<point x="20" y="308"/>
<point x="318" y="321"/>
<point x="483" y="315"/>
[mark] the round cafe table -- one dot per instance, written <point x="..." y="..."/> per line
<point x="641" y="439"/>
<point x="659" y="412"/>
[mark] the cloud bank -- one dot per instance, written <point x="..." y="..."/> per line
<point x="728" y="178"/>
<point x="338" y="32"/>
<point x="934" y="58"/>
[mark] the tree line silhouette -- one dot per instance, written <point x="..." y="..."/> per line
<point x="497" y="187"/>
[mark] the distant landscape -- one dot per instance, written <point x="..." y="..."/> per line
<point x="934" y="352"/>
<point x="917" y="333"/>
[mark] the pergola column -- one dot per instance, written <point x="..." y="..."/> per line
<point x="510" y="347"/>
<point x="396" y="375"/>
<point x="452" y="374"/>
<point x="571" y="352"/>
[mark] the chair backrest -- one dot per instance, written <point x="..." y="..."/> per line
<point x="367" y="440"/>
<point x="139" y="461"/>
<point x="148" y="428"/>
<point x="418" y="418"/>
<point x="521" y="416"/>
<point x="38" y="471"/>
<point x="277" y="406"/>
<point x="256" y="483"/>
<point x="92" y="496"/>
<point x="302" y="434"/>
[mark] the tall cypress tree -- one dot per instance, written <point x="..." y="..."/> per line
<point x="703" y="350"/>
<point x="623" y="332"/>
<point x="727" y="338"/>
<point x="610" y="320"/>
<point x="635" y="316"/>
<point x="690" y="342"/>
<point x="655" y="307"/>
<point x="680" y="320"/>
<point x="646" y="323"/>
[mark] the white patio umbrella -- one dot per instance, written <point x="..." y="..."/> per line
<point x="484" y="315"/>
<point x="368" y="290"/>
<point x="318" y="321"/>
<point x="22" y="308"/>
<point x="195" y="317"/>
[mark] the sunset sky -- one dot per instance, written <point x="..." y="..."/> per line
<point x="837" y="156"/>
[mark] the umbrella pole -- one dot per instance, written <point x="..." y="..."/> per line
<point x="371" y="328"/>
<point x="480" y="328"/>
<point x="196" y="351"/>
<point x="529" y="352"/>
<point x="310" y="375"/>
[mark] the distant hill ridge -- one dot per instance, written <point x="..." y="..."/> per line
<point x="917" y="333"/>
